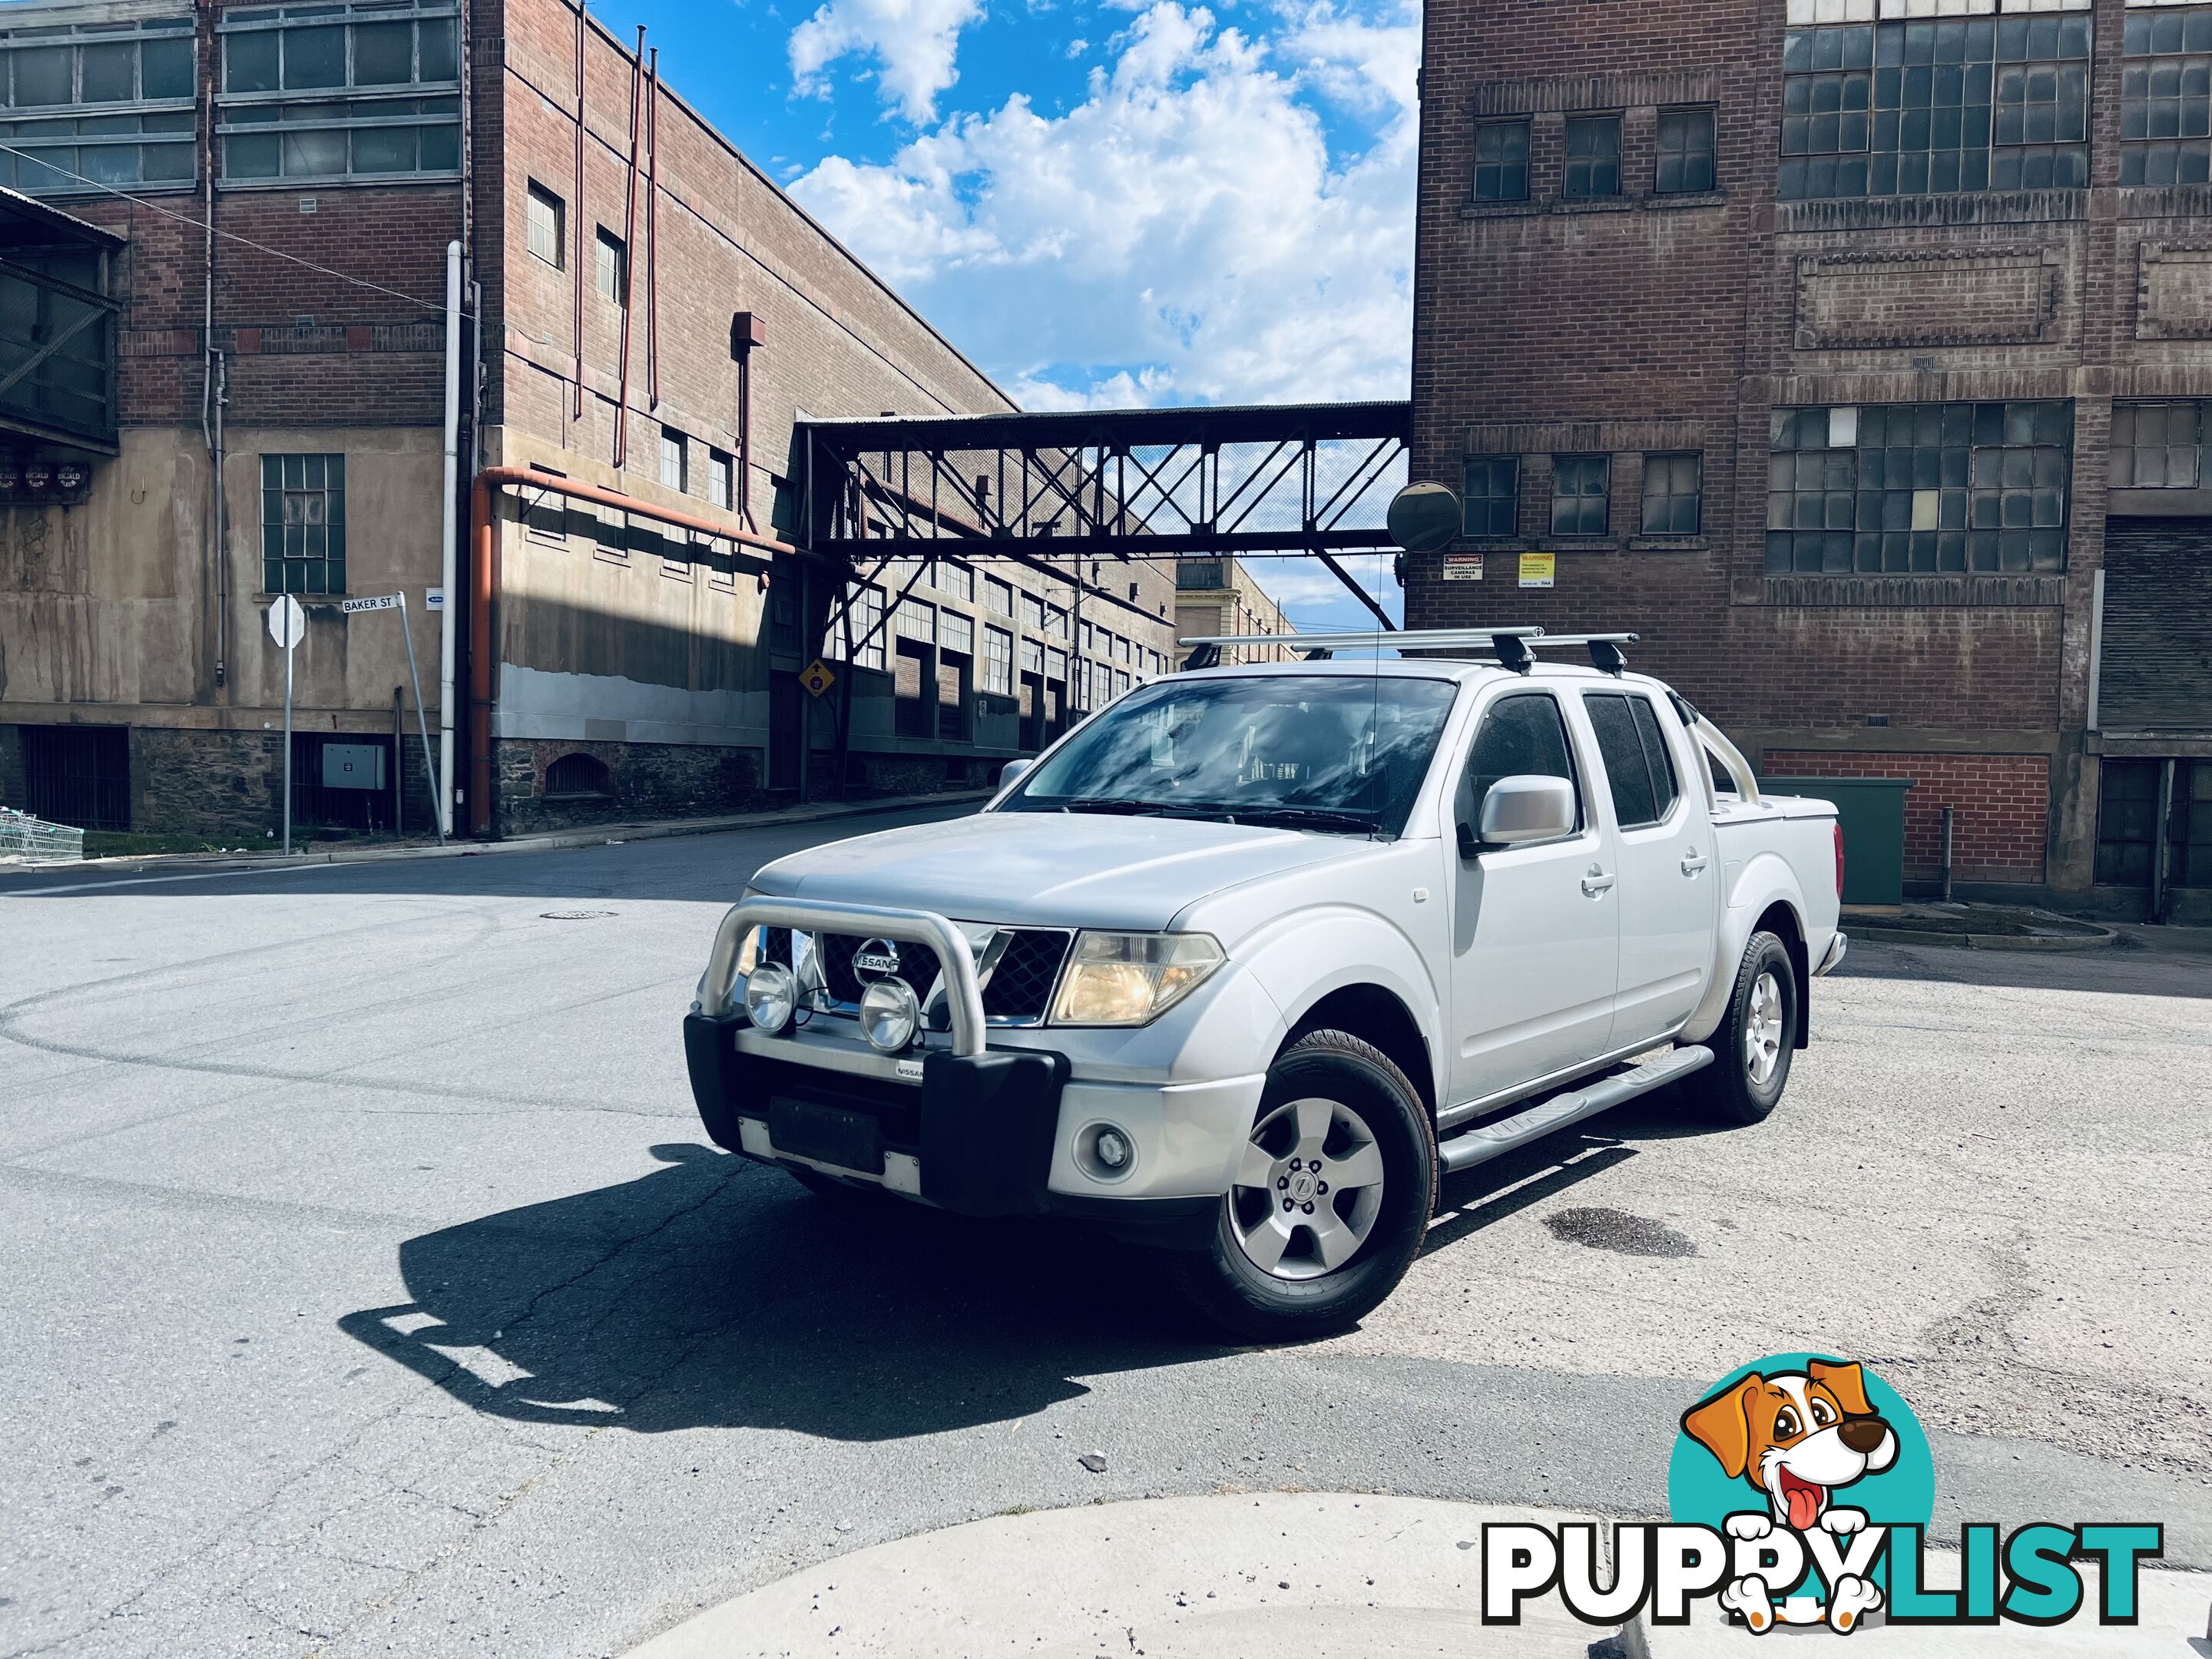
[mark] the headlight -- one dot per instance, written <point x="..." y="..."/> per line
<point x="771" y="996"/>
<point x="890" y="1014"/>
<point x="1132" y="979"/>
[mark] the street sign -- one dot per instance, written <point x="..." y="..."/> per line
<point x="818" y="677"/>
<point x="1537" y="568"/>
<point x="382" y="602"/>
<point x="287" y="623"/>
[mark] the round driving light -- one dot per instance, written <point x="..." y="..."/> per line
<point x="1112" y="1150"/>
<point x="771" y="995"/>
<point x="891" y="1014"/>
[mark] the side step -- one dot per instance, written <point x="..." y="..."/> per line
<point x="1464" y="1152"/>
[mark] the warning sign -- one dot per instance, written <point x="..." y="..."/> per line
<point x="1462" y="567"/>
<point x="1536" y="569"/>
<point x="820" y="678"/>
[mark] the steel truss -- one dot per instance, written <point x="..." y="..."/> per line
<point x="1138" y="483"/>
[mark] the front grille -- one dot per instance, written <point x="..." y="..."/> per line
<point x="1022" y="982"/>
<point x="917" y="966"/>
<point x="1019" y="988"/>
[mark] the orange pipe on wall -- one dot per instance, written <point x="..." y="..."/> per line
<point x="484" y="552"/>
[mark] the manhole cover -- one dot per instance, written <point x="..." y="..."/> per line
<point x="1618" y="1230"/>
<point x="574" y="915"/>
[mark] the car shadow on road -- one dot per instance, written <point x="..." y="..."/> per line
<point x="717" y="1293"/>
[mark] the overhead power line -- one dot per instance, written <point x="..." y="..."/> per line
<point x="201" y="225"/>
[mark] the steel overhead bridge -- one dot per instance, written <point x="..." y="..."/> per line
<point x="1254" y="480"/>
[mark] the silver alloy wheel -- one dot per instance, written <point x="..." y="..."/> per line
<point x="1308" y="1191"/>
<point x="1762" y="1030"/>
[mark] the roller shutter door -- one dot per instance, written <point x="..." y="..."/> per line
<point x="2157" y="674"/>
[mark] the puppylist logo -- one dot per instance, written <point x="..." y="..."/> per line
<point x="1800" y="1489"/>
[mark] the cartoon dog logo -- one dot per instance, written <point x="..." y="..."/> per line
<point x="1797" y="1437"/>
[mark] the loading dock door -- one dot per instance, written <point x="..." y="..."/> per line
<point x="2157" y="666"/>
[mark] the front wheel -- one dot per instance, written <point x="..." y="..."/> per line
<point x="1329" y="1202"/>
<point x="1752" y="1049"/>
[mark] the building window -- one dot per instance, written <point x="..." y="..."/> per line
<point x="1056" y="666"/>
<point x="2166" y="98"/>
<point x="862" y="621"/>
<point x="718" y="478"/>
<point x="998" y="595"/>
<point x="1055" y="622"/>
<point x="325" y="92"/>
<point x="548" y="235"/>
<point x="1580" y="486"/>
<point x="2157" y="445"/>
<point x="955" y="632"/>
<point x="914" y="620"/>
<point x="1032" y="613"/>
<point x="1032" y="657"/>
<point x="672" y="459"/>
<point x="1501" y="161"/>
<point x="1593" y="156"/>
<point x="1922" y="488"/>
<point x="1674" y="494"/>
<point x="1490" y="502"/>
<point x="1931" y="106"/>
<point x="957" y="579"/>
<point x="578" y="775"/>
<point x="998" y="660"/>
<point x="303" y="524"/>
<point x="1685" y="152"/>
<point x="611" y="273"/>
<point x="134" y="83"/>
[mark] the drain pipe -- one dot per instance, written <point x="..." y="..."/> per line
<point x="1946" y="856"/>
<point x="449" y="546"/>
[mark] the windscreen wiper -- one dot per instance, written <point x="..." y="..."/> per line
<point x="1122" y="805"/>
<point x="1302" y="817"/>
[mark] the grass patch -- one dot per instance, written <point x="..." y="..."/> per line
<point x="132" y="843"/>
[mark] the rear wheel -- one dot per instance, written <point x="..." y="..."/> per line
<point x="1329" y="1202"/>
<point x="1752" y="1049"/>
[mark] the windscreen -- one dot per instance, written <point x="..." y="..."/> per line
<point x="1336" y="755"/>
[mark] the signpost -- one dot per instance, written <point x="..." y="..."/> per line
<point x="399" y="602"/>
<point x="288" y="624"/>
<point x="818" y="677"/>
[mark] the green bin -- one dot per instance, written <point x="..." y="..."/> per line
<point x="1872" y="812"/>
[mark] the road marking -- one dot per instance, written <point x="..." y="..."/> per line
<point x="152" y="881"/>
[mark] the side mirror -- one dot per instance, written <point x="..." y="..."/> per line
<point x="1012" y="770"/>
<point x="1527" y="808"/>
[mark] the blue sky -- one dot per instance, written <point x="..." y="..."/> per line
<point x="1102" y="202"/>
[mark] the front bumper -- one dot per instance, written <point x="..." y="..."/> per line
<point x="974" y="1134"/>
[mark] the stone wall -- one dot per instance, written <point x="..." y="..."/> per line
<point x="644" y="780"/>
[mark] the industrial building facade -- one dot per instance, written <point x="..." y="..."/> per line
<point x="1858" y="354"/>
<point x="258" y="408"/>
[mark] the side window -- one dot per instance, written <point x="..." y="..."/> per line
<point x="1664" y="790"/>
<point x="1637" y="767"/>
<point x="1523" y="735"/>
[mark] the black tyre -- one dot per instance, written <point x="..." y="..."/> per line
<point x="1330" y="1203"/>
<point x="1752" y="1051"/>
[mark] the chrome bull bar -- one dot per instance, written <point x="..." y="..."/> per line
<point x="963" y="993"/>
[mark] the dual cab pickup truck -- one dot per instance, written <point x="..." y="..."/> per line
<point x="1244" y="964"/>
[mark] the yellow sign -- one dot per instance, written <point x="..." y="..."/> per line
<point x="818" y="677"/>
<point x="1536" y="569"/>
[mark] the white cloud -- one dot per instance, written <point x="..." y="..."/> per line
<point x="1184" y="233"/>
<point x="913" y="42"/>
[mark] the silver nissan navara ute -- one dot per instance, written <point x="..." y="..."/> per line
<point x="1243" y="964"/>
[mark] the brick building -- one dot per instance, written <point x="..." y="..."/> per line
<point x="1858" y="354"/>
<point x="260" y="409"/>
<point x="1220" y="596"/>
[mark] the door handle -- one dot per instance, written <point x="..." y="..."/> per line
<point x="1595" y="882"/>
<point x="1693" y="861"/>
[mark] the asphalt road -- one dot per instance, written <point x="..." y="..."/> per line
<point x="370" y="1288"/>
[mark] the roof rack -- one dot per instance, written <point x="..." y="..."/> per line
<point x="1514" y="647"/>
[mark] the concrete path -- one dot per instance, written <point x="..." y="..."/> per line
<point x="1315" y="1574"/>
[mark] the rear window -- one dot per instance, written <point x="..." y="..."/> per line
<point x="1638" y="769"/>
